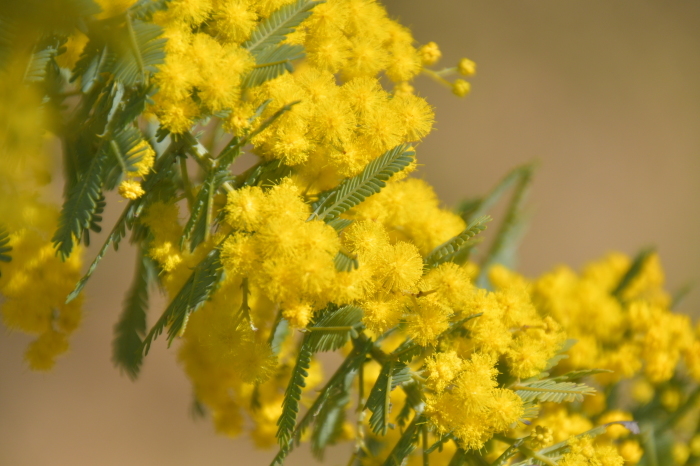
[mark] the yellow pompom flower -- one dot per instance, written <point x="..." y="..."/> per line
<point x="130" y="189"/>
<point x="430" y="53"/>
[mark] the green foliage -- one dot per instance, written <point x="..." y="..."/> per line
<point x="406" y="444"/>
<point x="131" y="327"/>
<point x="473" y="208"/>
<point x="161" y="175"/>
<point x="4" y="248"/>
<point x="292" y="395"/>
<point x="271" y="62"/>
<point x="446" y="250"/>
<point x="145" y="9"/>
<point x="350" y="365"/>
<point x="333" y="329"/>
<point x="339" y="224"/>
<point x="578" y="375"/>
<point x="553" y="391"/>
<point x="80" y="206"/>
<point x="391" y="375"/>
<point x="39" y="61"/>
<point x="196" y="229"/>
<point x="344" y="262"/>
<point x="126" y="47"/>
<point x="502" y="250"/>
<point x="193" y="294"/>
<point x="273" y="30"/>
<point x="329" y="419"/>
<point x="414" y="399"/>
<point x="354" y="190"/>
<point x="633" y="271"/>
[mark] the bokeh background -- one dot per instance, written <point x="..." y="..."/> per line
<point x="604" y="94"/>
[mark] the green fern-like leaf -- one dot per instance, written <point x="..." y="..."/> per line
<point x="353" y="191"/>
<point x="162" y="172"/>
<point x="553" y="391"/>
<point x="80" y="207"/>
<point x="344" y="262"/>
<point x="275" y="28"/>
<point x="414" y="399"/>
<point x="196" y="228"/>
<point x="351" y="364"/>
<point x="578" y="375"/>
<point x="131" y="327"/>
<point x="379" y="402"/>
<point x="633" y="271"/>
<point x="271" y="62"/>
<point x="469" y="210"/>
<point x="290" y="404"/>
<point x="438" y="255"/>
<point x="5" y="248"/>
<point x="511" y="230"/>
<point x="337" y="327"/>
<point x="193" y="294"/>
<point x="406" y="444"/>
<point x="126" y="47"/>
<point x="331" y="416"/>
<point x="339" y="224"/>
<point x="39" y="61"/>
<point x="145" y="50"/>
<point x="145" y="9"/>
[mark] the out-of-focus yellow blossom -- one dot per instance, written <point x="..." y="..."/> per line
<point x="35" y="282"/>
<point x="680" y="453"/>
<point x="466" y="67"/>
<point x="430" y="53"/>
<point x="461" y="88"/>
<point x="584" y="452"/>
<point x="631" y="451"/>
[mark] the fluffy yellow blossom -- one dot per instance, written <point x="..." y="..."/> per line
<point x="430" y="53"/>
<point x="466" y="67"/>
<point x="130" y="189"/>
<point x="461" y="88"/>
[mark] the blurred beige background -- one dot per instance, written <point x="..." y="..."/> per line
<point x="605" y="94"/>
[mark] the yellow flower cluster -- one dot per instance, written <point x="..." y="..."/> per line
<point x="466" y="400"/>
<point x="469" y="366"/>
<point x="635" y="332"/>
<point x="34" y="283"/>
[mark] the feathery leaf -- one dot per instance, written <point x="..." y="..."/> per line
<point x="39" y="61"/>
<point x="292" y="395"/>
<point x="406" y="444"/>
<point x="145" y="51"/>
<point x="162" y="172"/>
<point x="578" y="375"/>
<point x="354" y="190"/>
<point x="550" y="390"/>
<point x="345" y="262"/>
<point x="351" y="364"/>
<point x="275" y="28"/>
<point x="333" y="329"/>
<point x="193" y="294"/>
<point x="464" y="239"/>
<point x="4" y="248"/>
<point x="79" y="207"/>
<point x="635" y="268"/>
<point x="126" y="348"/>
<point x="331" y="416"/>
<point x="271" y="62"/>
<point x="511" y="230"/>
<point x="379" y="400"/>
<point x="196" y="228"/>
